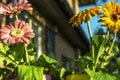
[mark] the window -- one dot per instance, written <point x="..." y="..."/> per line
<point x="50" y="42"/>
<point x="37" y="28"/>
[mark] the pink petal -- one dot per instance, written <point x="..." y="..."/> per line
<point x="12" y="26"/>
<point x="16" y="23"/>
<point x="3" y="8"/>
<point x="5" y="30"/>
<point x="5" y="40"/>
<point x="25" y="40"/>
<point x="27" y="29"/>
<point x="29" y="35"/>
<point x="5" y="36"/>
<point x="21" y="24"/>
<point x="11" y="40"/>
<point x="15" y="2"/>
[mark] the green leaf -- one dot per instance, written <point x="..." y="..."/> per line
<point x="99" y="75"/>
<point x="96" y="40"/>
<point x="117" y="76"/>
<point x="30" y="72"/>
<point x="19" y="51"/>
<point x="115" y="66"/>
<point x="118" y="61"/>
<point x="4" y="48"/>
<point x="30" y="49"/>
<point x="48" y="59"/>
<point x="62" y="71"/>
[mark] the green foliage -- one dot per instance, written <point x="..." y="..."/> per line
<point x="62" y="72"/>
<point x="114" y="66"/>
<point x="82" y="62"/>
<point x="26" y="72"/>
<point x="45" y="61"/>
<point x="100" y="75"/>
<point x="4" y="55"/>
<point x="99" y="66"/>
<point x="18" y="51"/>
<point x="13" y="63"/>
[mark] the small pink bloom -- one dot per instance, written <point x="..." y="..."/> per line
<point x="14" y="8"/>
<point x="47" y="77"/>
<point x="15" y="32"/>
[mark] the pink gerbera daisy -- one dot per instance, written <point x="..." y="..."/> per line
<point x="15" y="32"/>
<point x="15" y="8"/>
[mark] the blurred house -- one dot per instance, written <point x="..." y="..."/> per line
<point x="54" y="35"/>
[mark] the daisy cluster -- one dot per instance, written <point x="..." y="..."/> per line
<point x="109" y="12"/>
<point x="17" y="31"/>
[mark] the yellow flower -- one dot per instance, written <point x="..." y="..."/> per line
<point x="84" y="16"/>
<point x="111" y="16"/>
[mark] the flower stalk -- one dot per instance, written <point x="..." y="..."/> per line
<point x="92" y="46"/>
<point x="16" y="17"/>
<point x="112" y="43"/>
<point x="27" y="56"/>
<point x="110" y="49"/>
<point x="101" y="51"/>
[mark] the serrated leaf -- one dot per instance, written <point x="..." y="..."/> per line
<point x="30" y="72"/>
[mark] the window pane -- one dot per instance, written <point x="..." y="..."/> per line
<point x="50" y="45"/>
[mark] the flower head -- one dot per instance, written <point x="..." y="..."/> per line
<point x="111" y="16"/>
<point x="15" y="8"/>
<point x="15" y="32"/>
<point x="84" y="16"/>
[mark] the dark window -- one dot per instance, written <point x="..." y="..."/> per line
<point x="50" y="42"/>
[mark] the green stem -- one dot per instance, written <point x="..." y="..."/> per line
<point x="112" y="44"/>
<point x="16" y="17"/>
<point x="110" y="49"/>
<point x="89" y="30"/>
<point x="101" y="51"/>
<point x="92" y="46"/>
<point x="26" y="55"/>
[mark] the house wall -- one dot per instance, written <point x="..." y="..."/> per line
<point x="2" y="17"/>
<point x="62" y="48"/>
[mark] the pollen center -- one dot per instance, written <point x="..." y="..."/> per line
<point x="16" y="33"/>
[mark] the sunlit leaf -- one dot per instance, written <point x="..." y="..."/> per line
<point x="30" y="72"/>
<point x="100" y="75"/>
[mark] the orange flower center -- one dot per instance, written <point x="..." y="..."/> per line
<point x="16" y="33"/>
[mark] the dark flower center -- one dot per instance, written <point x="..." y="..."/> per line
<point x="115" y="17"/>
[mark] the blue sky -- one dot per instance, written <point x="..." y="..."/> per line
<point x="94" y="24"/>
